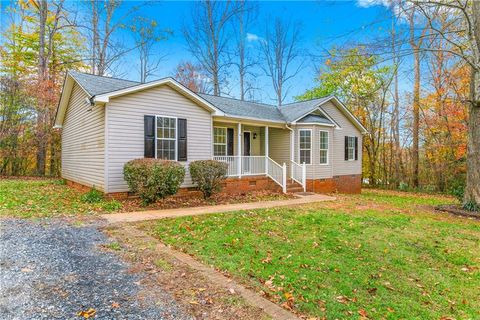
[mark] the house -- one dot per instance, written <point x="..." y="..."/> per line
<point x="312" y="145"/>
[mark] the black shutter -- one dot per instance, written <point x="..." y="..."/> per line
<point x="346" y="148"/>
<point x="229" y="141"/>
<point x="356" y="148"/>
<point x="182" y="140"/>
<point x="149" y="132"/>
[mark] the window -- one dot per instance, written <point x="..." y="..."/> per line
<point x="305" y="145"/>
<point x="219" y="141"/>
<point x="323" y="147"/>
<point x="351" y="148"/>
<point x="166" y="138"/>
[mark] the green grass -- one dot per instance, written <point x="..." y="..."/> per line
<point x="47" y="198"/>
<point x="384" y="253"/>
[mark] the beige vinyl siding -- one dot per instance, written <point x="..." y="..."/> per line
<point x="126" y="129"/>
<point x="315" y="170"/>
<point x="279" y="145"/>
<point x="257" y="146"/>
<point x="340" y="166"/>
<point x="83" y="140"/>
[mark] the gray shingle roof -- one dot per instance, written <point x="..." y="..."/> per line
<point x="293" y="111"/>
<point x="96" y="85"/>
<point x="313" y="118"/>
<point x="238" y="108"/>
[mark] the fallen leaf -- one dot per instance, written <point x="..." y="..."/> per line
<point x="115" y="305"/>
<point x="342" y="299"/>
<point x="87" y="313"/>
<point x="363" y="313"/>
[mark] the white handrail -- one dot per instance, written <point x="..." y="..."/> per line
<point x="278" y="173"/>
<point x="255" y="165"/>
<point x="299" y="174"/>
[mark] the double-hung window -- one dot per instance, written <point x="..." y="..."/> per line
<point x="351" y="148"/>
<point x="166" y="138"/>
<point x="219" y="141"/>
<point x="323" y="147"/>
<point x="305" y="136"/>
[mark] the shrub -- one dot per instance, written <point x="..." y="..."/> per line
<point x="92" y="196"/>
<point x="457" y="191"/>
<point x="111" y="206"/>
<point x="403" y="186"/>
<point x="208" y="175"/>
<point x="153" y="179"/>
<point x="471" y="206"/>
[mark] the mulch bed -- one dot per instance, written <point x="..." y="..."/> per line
<point x="458" y="211"/>
<point x="135" y="204"/>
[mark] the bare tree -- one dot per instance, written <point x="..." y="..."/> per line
<point x="192" y="77"/>
<point x="105" y="52"/>
<point x="147" y="34"/>
<point x="280" y="50"/>
<point x="463" y="39"/>
<point x="208" y="38"/>
<point x="244" y="61"/>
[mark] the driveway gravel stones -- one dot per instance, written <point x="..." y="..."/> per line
<point x="50" y="269"/>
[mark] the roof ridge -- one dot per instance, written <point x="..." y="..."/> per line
<point x="308" y="100"/>
<point x="106" y="77"/>
<point x="230" y="98"/>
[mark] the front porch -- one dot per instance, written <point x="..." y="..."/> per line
<point x="254" y="150"/>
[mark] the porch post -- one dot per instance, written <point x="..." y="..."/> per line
<point x="239" y="150"/>
<point x="292" y="150"/>
<point x="266" y="150"/>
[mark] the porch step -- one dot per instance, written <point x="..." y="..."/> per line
<point x="293" y="186"/>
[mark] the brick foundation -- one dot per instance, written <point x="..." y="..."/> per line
<point x="231" y="185"/>
<point x="343" y="184"/>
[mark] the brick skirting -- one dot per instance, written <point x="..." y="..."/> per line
<point x="231" y="185"/>
<point x="351" y="183"/>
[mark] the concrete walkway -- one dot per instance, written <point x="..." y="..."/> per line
<point x="182" y="212"/>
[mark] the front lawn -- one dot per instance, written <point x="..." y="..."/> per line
<point x="27" y="198"/>
<point x="377" y="255"/>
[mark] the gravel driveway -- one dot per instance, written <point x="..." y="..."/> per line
<point x="52" y="270"/>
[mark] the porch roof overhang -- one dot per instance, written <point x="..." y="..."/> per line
<point x="249" y="121"/>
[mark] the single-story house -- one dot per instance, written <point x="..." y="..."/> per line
<point x="312" y="145"/>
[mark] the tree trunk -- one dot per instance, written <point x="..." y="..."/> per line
<point x="416" y="118"/>
<point x="472" y="190"/>
<point x="41" y="107"/>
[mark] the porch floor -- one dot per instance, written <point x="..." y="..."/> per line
<point x="182" y="212"/>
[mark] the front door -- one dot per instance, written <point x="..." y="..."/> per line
<point x="246" y="152"/>
<point x="246" y="143"/>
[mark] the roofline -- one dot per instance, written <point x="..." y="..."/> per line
<point x="352" y="116"/>
<point x="235" y="117"/>
<point x="344" y="107"/>
<point x="67" y="88"/>
<point x="105" y="97"/>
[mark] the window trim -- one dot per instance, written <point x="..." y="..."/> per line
<point x="352" y="147"/>
<point x="226" y="141"/>
<point x="320" y="148"/>
<point x="157" y="138"/>
<point x="311" y="146"/>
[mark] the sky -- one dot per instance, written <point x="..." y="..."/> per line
<point x="324" y="24"/>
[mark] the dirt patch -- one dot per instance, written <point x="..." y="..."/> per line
<point x="135" y="204"/>
<point x="198" y="295"/>
<point x="458" y="211"/>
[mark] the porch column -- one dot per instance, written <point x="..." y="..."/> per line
<point x="266" y="150"/>
<point x="239" y="150"/>
<point x="292" y="150"/>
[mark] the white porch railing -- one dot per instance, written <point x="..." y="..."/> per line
<point x="239" y="166"/>
<point x="299" y="174"/>
<point x="278" y="173"/>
